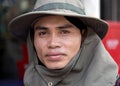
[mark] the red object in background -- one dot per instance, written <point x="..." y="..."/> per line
<point x="112" y="41"/>
<point x="22" y="64"/>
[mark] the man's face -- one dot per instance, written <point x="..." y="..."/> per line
<point x="56" y="41"/>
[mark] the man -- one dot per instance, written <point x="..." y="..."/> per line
<point x="64" y="46"/>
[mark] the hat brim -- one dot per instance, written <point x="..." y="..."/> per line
<point x="20" y="25"/>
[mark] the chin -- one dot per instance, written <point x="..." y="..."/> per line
<point x="55" y="67"/>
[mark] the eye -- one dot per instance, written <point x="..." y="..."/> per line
<point x="65" y="32"/>
<point x="42" y="33"/>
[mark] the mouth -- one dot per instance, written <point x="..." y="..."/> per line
<point x="55" y="56"/>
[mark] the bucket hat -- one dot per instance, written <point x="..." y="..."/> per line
<point x="20" y="25"/>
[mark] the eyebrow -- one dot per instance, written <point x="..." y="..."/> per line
<point x="65" y="26"/>
<point x="40" y="28"/>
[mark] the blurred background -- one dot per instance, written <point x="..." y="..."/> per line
<point x="13" y="53"/>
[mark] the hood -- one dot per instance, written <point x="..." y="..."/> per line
<point x="92" y="66"/>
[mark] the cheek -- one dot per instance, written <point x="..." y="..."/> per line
<point x="39" y="46"/>
<point x="73" y="46"/>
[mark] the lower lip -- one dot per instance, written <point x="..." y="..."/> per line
<point x="54" y="57"/>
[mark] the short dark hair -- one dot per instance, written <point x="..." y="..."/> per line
<point x="79" y="24"/>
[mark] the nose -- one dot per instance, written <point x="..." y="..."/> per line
<point x="54" y="41"/>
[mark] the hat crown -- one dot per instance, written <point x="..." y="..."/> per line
<point x="70" y="5"/>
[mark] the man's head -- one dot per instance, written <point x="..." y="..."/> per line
<point x="56" y="40"/>
<point x="21" y="25"/>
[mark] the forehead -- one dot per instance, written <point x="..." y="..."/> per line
<point x="49" y="19"/>
<point x="53" y="22"/>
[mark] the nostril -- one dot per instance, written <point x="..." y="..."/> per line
<point x="53" y="44"/>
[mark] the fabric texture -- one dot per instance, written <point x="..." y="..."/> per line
<point x="92" y="66"/>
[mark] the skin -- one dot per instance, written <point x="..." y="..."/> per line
<point x="56" y="41"/>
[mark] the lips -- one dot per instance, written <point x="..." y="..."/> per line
<point x="55" y="56"/>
